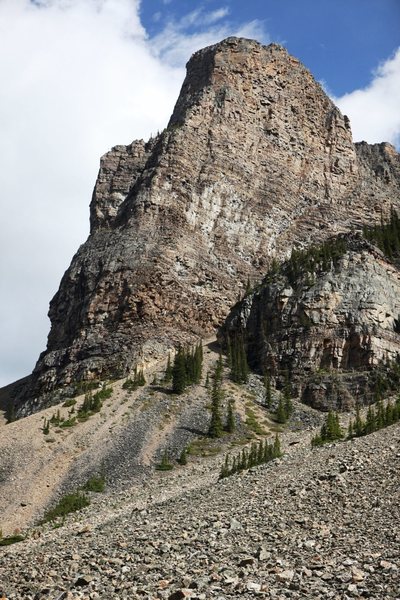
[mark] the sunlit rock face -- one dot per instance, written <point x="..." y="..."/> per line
<point x="327" y="330"/>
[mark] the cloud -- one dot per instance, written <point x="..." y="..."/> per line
<point x="197" y="29"/>
<point x="374" y="111"/>
<point x="79" y="79"/>
<point x="81" y="76"/>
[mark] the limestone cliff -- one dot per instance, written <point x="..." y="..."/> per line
<point x="327" y="326"/>
<point x="255" y="158"/>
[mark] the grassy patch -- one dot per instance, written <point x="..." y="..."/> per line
<point x="276" y="428"/>
<point x="68" y="423"/>
<point x="69" y="402"/>
<point x="12" y="539"/>
<point x="96" y="483"/>
<point x="253" y="424"/>
<point x="203" y="447"/>
<point x="68" y="504"/>
<point x="165" y="464"/>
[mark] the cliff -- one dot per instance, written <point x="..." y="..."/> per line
<point x="255" y="159"/>
<point x="329" y="317"/>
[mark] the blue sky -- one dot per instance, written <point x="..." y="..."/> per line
<point x="80" y="76"/>
<point x="340" y="41"/>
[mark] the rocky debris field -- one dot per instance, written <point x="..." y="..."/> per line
<point x="319" y="523"/>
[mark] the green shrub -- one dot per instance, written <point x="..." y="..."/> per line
<point x="68" y="423"/>
<point x="69" y="402"/>
<point x="12" y="539"/>
<point x="96" y="483"/>
<point x="68" y="504"/>
<point x="165" y="464"/>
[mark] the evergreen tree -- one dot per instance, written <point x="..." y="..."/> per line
<point x="287" y="396"/>
<point x="358" y="423"/>
<point x="215" y="429"/>
<point x="280" y="415"/>
<point x="183" y="457"/>
<point x="208" y="380"/>
<point x="259" y="454"/>
<point x="165" y="464"/>
<point x="179" y="376"/>
<point x="350" y="432"/>
<point x="330" y="430"/>
<point x="239" y="366"/>
<point x="230" y="418"/>
<point x="276" y="449"/>
<point x="268" y="393"/>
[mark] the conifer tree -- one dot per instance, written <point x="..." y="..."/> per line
<point x="276" y="450"/>
<point x="183" y="457"/>
<point x="330" y="430"/>
<point x="358" y="424"/>
<point x="280" y="415"/>
<point x="179" y="377"/>
<point x="215" y="429"/>
<point x="239" y="366"/>
<point x="268" y="393"/>
<point x="230" y="418"/>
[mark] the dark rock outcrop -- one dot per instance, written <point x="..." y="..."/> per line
<point x="256" y="158"/>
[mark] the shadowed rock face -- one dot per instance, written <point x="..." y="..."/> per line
<point x="255" y="158"/>
<point x="328" y="329"/>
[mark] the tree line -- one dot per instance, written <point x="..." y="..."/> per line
<point x="377" y="417"/>
<point x="258" y="454"/>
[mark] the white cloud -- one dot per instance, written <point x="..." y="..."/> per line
<point x="374" y="111"/>
<point x="176" y="42"/>
<point x="78" y="77"/>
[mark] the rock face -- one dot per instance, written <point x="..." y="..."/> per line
<point x="328" y="329"/>
<point x="255" y="158"/>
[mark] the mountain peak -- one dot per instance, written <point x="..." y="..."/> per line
<point x="256" y="159"/>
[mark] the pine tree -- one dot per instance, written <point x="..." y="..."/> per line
<point x="219" y="369"/>
<point x="179" y="380"/>
<point x="287" y="396"/>
<point x="165" y="464"/>
<point x="370" y="424"/>
<point x="280" y="415"/>
<point x="183" y="457"/>
<point x="268" y="393"/>
<point x="358" y="423"/>
<point x="350" y="432"/>
<point x="208" y="380"/>
<point x="229" y="352"/>
<point x="276" y="450"/>
<point x="239" y="366"/>
<point x="230" y="418"/>
<point x="330" y="430"/>
<point x="215" y="429"/>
